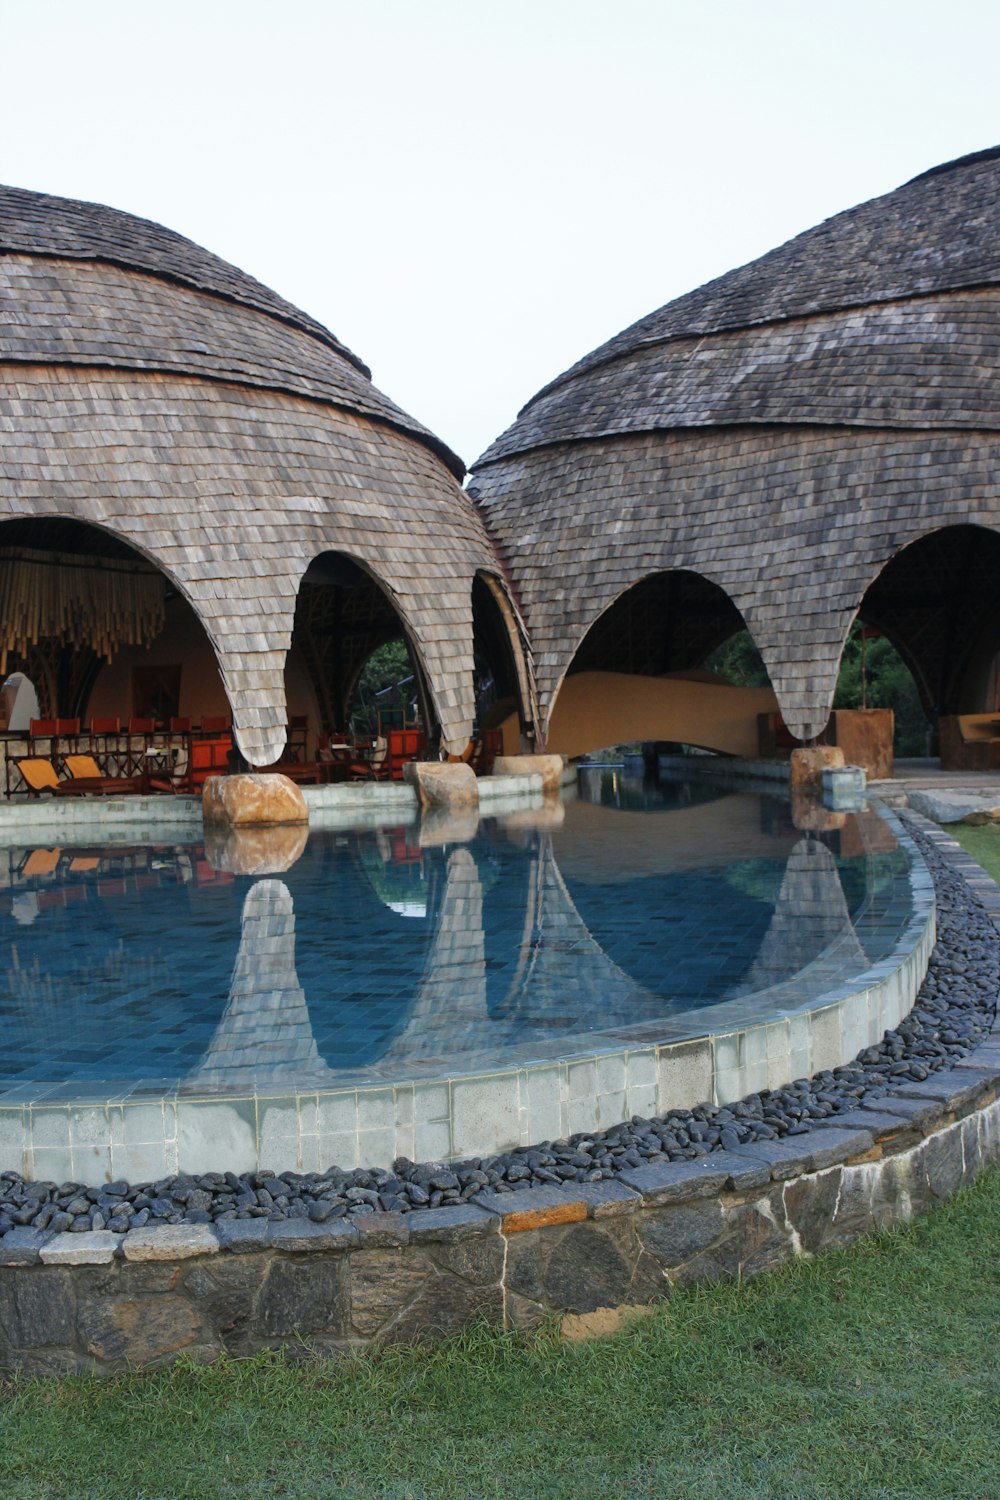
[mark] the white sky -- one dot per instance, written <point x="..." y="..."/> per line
<point x="472" y="195"/>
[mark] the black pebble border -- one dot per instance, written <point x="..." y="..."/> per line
<point x="954" y="1013"/>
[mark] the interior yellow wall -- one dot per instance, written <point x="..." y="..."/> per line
<point x="598" y="709"/>
<point x="182" y="640"/>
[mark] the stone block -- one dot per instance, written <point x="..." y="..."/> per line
<point x="534" y="1208"/>
<point x="479" y="1260"/>
<point x="446" y="1225"/>
<point x="170" y="1242"/>
<point x="671" y="1182"/>
<point x="444" y="1306"/>
<point x="955" y="1089"/>
<point x="125" y="1331"/>
<point x="944" y="1162"/>
<point x="242" y="1236"/>
<point x="300" y="1235"/>
<point x="607" y="1199"/>
<point x="37" y="1306"/>
<point x="93" y="1248"/>
<point x="305" y="1295"/>
<point x="809" y="1204"/>
<point x="22" y="1246"/>
<point x="382" y="1231"/>
<point x="383" y="1283"/>
<point x="675" y="1232"/>
<point x="590" y="1267"/>
<point x="255" y="798"/>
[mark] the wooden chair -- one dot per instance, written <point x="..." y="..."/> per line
<point x="297" y="737"/>
<point x="42" y="738"/>
<point x="370" y="764"/>
<point x="68" y="734"/>
<point x="491" y="746"/>
<point x="104" y="735"/>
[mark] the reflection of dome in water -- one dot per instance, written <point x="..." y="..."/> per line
<point x="781" y="433"/>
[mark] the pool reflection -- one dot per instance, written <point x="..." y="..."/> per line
<point x="409" y="952"/>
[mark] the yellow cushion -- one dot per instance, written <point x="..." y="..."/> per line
<point x="39" y="774"/>
<point x="82" y="765"/>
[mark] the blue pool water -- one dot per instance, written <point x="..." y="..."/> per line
<point x="399" y="952"/>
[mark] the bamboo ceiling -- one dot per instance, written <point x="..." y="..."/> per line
<point x="102" y="602"/>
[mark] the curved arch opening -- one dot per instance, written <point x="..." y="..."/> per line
<point x="99" y="629"/>
<point x="501" y="684"/>
<point x="640" y="676"/>
<point x="353" y="669"/>
<point x="934" y="605"/>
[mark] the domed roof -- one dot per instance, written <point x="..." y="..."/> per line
<point x="881" y="314"/>
<point x="88" y="285"/>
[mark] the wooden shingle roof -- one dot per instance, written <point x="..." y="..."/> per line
<point x="869" y="317"/>
<point x="88" y="285"/>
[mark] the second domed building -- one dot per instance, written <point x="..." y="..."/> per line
<point x="806" y="438"/>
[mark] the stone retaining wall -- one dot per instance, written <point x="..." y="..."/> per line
<point x="100" y="1301"/>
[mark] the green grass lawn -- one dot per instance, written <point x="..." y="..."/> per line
<point x="984" y="846"/>
<point x="867" y="1373"/>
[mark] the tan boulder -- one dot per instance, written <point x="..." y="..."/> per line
<point x="809" y="762"/>
<point x="549" y="767"/>
<point x="442" y="784"/>
<point x="254" y="798"/>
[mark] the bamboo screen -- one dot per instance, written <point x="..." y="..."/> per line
<point x="103" y="602"/>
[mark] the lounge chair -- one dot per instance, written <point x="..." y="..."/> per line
<point x="40" y="776"/>
<point x="87" y="774"/>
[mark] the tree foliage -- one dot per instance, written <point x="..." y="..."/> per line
<point x="385" y="682"/>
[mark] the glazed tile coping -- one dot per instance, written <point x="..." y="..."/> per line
<point x="443" y="1110"/>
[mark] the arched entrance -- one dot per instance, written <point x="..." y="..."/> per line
<point x="638" y="674"/>
<point x="343" y="616"/>
<point x="99" y="628"/>
<point x="935" y="601"/>
<point x="503" y="690"/>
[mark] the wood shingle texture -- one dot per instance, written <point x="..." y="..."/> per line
<point x="783" y="431"/>
<point x="151" y="389"/>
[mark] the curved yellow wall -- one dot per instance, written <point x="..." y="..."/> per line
<point x="597" y="709"/>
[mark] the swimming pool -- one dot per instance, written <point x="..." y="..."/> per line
<point x="436" y="989"/>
